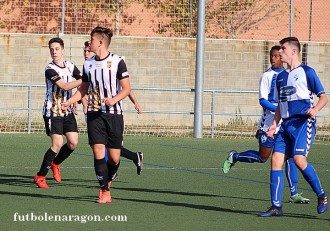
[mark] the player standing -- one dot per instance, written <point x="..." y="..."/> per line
<point x="294" y="91"/>
<point x="61" y="77"/>
<point x="266" y="144"/>
<point x="108" y="77"/>
<point x="136" y="157"/>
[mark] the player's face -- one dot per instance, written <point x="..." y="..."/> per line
<point x="88" y="53"/>
<point x="275" y="59"/>
<point x="56" y="51"/>
<point x="286" y="52"/>
<point x="95" y="43"/>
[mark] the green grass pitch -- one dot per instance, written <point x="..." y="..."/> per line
<point x="181" y="187"/>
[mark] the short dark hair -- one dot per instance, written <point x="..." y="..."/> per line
<point x="277" y="47"/>
<point x="292" y="41"/>
<point x="56" y="40"/>
<point x="86" y="43"/>
<point x="104" y="32"/>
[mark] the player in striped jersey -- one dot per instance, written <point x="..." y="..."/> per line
<point x="108" y="77"/>
<point x="61" y="77"/>
<point x="136" y="157"/>
<point x="295" y="90"/>
<point x="269" y="104"/>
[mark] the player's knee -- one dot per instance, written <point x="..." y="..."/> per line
<point x="72" y="145"/>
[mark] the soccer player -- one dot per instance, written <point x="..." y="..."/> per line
<point x="136" y="157"/>
<point x="268" y="103"/>
<point x="61" y="77"/>
<point x="108" y="77"/>
<point x="295" y="90"/>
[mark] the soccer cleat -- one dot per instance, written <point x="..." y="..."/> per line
<point x="105" y="197"/>
<point x="298" y="199"/>
<point x="272" y="212"/>
<point x="322" y="203"/>
<point x="40" y="181"/>
<point x="139" y="163"/>
<point x="114" y="177"/>
<point x="100" y="190"/>
<point x="56" y="172"/>
<point x="229" y="162"/>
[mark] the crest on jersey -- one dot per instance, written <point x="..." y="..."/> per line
<point x="263" y="138"/>
<point x="109" y="64"/>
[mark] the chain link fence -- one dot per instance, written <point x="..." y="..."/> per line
<point x="225" y="19"/>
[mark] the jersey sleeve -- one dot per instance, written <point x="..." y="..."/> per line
<point x="314" y="83"/>
<point x="52" y="75"/>
<point x="264" y="86"/>
<point x="76" y="73"/>
<point x="122" y="70"/>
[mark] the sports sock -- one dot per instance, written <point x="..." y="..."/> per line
<point x="312" y="178"/>
<point x="249" y="156"/>
<point x="291" y="172"/>
<point x="45" y="166"/>
<point x="112" y="169"/>
<point x="101" y="171"/>
<point x="128" y="154"/>
<point x="64" y="153"/>
<point x="276" y="187"/>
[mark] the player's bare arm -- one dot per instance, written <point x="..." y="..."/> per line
<point x="133" y="99"/>
<point x="277" y="117"/>
<point x="323" y="100"/>
<point x="68" y="86"/>
<point x="126" y="89"/>
<point x="77" y="96"/>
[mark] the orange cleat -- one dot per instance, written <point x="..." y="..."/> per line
<point x="100" y="190"/>
<point x="56" y="172"/>
<point x="104" y="198"/>
<point x="40" y="181"/>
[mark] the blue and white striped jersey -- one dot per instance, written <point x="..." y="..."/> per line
<point x="295" y="90"/>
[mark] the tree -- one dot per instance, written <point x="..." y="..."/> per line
<point x="236" y="17"/>
<point x="224" y="18"/>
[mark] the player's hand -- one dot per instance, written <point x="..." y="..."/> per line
<point x="311" y="112"/>
<point x="75" y="108"/>
<point x="108" y="101"/>
<point x="138" y="108"/>
<point x="271" y="131"/>
<point x="64" y="106"/>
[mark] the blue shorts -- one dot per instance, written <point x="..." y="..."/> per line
<point x="296" y="136"/>
<point x="264" y="140"/>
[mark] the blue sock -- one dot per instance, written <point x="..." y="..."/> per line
<point x="276" y="187"/>
<point x="106" y="155"/>
<point x="291" y="172"/>
<point x="249" y="156"/>
<point x="311" y="177"/>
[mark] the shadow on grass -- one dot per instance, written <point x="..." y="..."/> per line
<point x="220" y="209"/>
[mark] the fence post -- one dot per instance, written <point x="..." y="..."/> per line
<point x="212" y="115"/>
<point x="29" y="107"/>
<point x="63" y="17"/>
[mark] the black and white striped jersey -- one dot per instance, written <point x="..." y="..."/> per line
<point x="55" y="95"/>
<point x="104" y="76"/>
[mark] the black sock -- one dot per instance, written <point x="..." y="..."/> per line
<point x="63" y="154"/>
<point x="113" y="169"/>
<point x="128" y="154"/>
<point x="101" y="171"/>
<point x="45" y="166"/>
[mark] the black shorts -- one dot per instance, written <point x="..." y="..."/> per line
<point x="104" y="128"/>
<point x="60" y="125"/>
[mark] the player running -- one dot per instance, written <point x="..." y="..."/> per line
<point x="266" y="144"/>
<point x="61" y="77"/>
